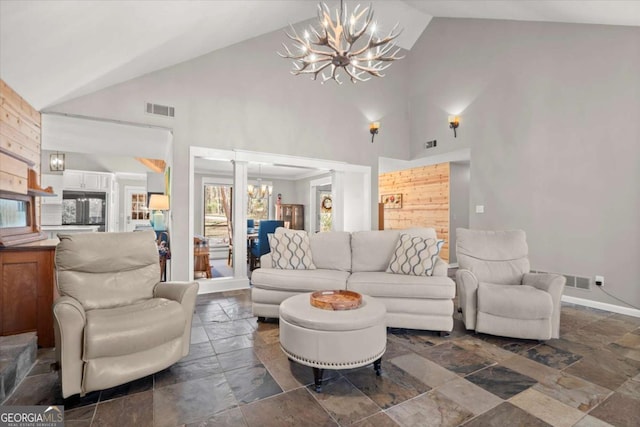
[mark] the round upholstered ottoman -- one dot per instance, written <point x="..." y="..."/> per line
<point x="327" y="339"/>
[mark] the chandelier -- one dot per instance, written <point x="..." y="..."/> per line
<point x="347" y="44"/>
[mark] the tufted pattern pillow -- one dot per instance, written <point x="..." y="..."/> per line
<point x="414" y="255"/>
<point x="290" y="250"/>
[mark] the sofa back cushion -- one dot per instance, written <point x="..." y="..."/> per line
<point x="104" y="270"/>
<point x="331" y="250"/>
<point x="493" y="256"/>
<point x="372" y="250"/>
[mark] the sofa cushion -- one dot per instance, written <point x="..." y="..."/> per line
<point x="290" y="250"/>
<point x="381" y="284"/>
<point x="331" y="250"/>
<point x="299" y="280"/>
<point x="514" y="302"/>
<point x="372" y="250"/>
<point x="414" y="255"/>
<point x="130" y="329"/>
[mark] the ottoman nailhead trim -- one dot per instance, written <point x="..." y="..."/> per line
<point x="333" y="365"/>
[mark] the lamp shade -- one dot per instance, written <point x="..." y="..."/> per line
<point x="159" y="202"/>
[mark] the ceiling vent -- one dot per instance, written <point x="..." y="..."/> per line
<point x="160" y="110"/>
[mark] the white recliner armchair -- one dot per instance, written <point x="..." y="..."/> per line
<point x="498" y="295"/>
<point x="115" y="321"/>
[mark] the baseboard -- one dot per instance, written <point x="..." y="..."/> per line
<point x="221" y="284"/>
<point x="602" y="306"/>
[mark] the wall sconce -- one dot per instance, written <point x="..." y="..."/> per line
<point x="56" y="162"/>
<point x="373" y="128"/>
<point x="454" y="122"/>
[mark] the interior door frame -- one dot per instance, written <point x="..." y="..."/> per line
<point x="128" y="191"/>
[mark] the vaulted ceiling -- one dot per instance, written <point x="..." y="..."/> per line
<point x="53" y="50"/>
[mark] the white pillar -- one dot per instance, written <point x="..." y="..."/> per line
<point x="337" y="200"/>
<point x="239" y="215"/>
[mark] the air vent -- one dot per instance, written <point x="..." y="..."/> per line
<point x="430" y="144"/>
<point x="160" y="110"/>
<point x="573" y="281"/>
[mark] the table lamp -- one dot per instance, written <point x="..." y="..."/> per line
<point x="158" y="203"/>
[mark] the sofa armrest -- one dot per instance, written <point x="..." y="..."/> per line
<point x="554" y="285"/>
<point x="440" y="268"/>
<point x="467" y="284"/>
<point x="185" y="293"/>
<point x="265" y="261"/>
<point x="69" y="320"/>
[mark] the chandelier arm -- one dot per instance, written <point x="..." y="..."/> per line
<point x="354" y="76"/>
<point x="371" y="70"/>
<point x="315" y="72"/>
<point x="388" y="38"/>
<point x="353" y="37"/>
<point x="306" y="63"/>
<point x="322" y="40"/>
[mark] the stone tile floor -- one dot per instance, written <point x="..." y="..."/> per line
<point x="236" y="375"/>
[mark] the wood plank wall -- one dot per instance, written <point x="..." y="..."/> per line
<point x="425" y="200"/>
<point x="20" y="132"/>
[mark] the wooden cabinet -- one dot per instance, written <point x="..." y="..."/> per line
<point x="292" y="215"/>
<point x="27" y="290"/>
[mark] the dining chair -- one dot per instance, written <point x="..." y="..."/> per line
<point x="261" y="244"/>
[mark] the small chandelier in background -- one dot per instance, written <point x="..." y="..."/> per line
<point x="345" y="43"/>
<point x="56" y="162"/>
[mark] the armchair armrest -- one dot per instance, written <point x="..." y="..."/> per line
<point x="554" y="285"/>
<point x="440" y="268"/>
<point x="185" y="293"/>
<point x="69" y="321"/>
<point x="467" y="284"/>
<point x="176" y="291"/>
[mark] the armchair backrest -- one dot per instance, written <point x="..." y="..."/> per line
<point x="493" y="256"/>
<point x="266" y="227"/>
<point x="104" y="270"/>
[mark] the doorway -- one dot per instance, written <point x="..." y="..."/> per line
<point x="325" y="211"/>
<point x="135" y="207"/>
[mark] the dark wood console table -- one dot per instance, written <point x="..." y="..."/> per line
<point x="27" y="290"/>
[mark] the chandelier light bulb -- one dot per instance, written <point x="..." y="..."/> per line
<point x="341" y="45"/>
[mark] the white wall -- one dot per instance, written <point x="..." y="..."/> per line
<point x="550" y="112"/>
<point x="244" y="97"/>
<point x="459" y="174"/>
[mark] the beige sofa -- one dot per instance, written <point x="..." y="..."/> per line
<point x="115" y="321"/>
<point x="358" y="261"/>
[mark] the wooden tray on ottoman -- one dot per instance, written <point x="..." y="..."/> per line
<point x="336" y="300"/>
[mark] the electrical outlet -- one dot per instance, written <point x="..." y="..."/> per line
<point x="479" y="208"/>
<point x="599" y="280"/>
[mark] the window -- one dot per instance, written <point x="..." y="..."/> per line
<point x="217" y="208"/>
<point x="258" y="204"/>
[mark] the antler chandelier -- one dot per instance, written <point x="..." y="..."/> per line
<point x="345" y="43"/>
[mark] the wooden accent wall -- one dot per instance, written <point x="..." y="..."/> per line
<point x="19" y="140"/>
<point x="425" y="200"/>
